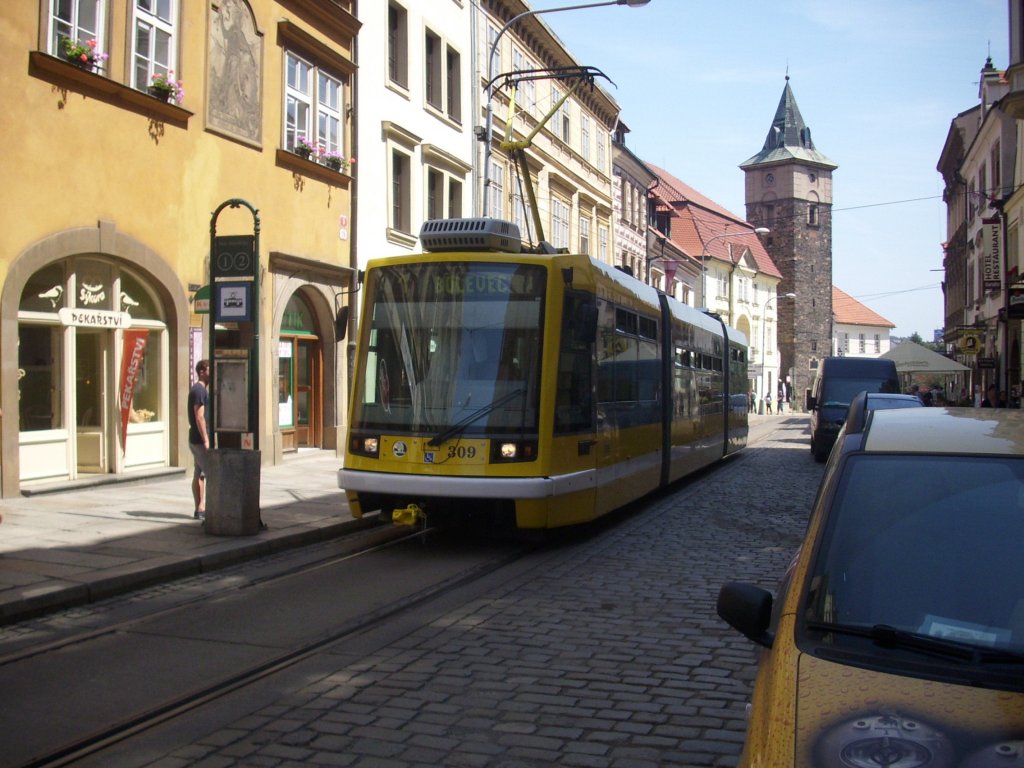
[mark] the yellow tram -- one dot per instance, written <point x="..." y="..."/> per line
<point x="529" y="390"/>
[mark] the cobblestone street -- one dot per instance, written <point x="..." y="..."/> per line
<point x="606" y="652"/>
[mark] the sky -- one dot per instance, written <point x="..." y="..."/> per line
<point x="877" y="82"/>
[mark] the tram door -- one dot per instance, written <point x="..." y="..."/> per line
<point x="92" y="386"/>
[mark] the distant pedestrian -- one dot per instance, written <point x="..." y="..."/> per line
<point x="199" y="430"/>
<point x="990" y="400"/>
<point x="768" y="402"/>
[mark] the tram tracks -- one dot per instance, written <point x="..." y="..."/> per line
<point x="266" y="654"/>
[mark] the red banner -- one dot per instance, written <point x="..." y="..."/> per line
<point x="132" y="355"/>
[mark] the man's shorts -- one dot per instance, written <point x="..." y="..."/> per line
<point x="200" y="454"/>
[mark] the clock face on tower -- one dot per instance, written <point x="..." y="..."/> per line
<point x="769" y="179"/>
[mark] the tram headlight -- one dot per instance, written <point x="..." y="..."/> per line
<point x="513" y="450"/>
<point x="365" y="446"/>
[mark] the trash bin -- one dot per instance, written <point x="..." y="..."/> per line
<point x="233" y="493"/>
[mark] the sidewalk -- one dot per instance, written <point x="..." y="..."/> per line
<point x="72" y="547"/>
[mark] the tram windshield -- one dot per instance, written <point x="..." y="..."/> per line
<point x="452" y="344"/>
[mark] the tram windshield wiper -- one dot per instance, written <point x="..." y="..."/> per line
<point x="460" y="427"/>
<point x="888" y="636"/>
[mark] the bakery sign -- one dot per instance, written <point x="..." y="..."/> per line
<point x="94" y="318"/>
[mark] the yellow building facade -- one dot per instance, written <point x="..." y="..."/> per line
<point x="107" y="209"/>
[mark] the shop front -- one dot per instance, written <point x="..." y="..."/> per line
<point x="94" y="389"/>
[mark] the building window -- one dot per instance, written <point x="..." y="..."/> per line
<point x="400" y="192"/>
<point x="812" y="214"/>
<point x="602" y="243"/>
<point x="444" y="195"/>
<point x="878" y="343"/>
<point x="861" y="346"/>
<point x="585" y="137"/>
<point x="398" y="45"/>
<point x="560" y="123"/>
<point x="495" y="63"/>
<point x="443" y="77"/>
<point x="846" y="342"/>
<point x="312" y="93"/>
<point x="559" y="223"/>
<point x="154" y="43"/>
<point x="453" y="84"/>
<point x="601" y="138"/>
<point x="519" y="217"/>
<point x="527" y="97"/>
<point x="454" y="199"/>
<point x="432" y="69"/>
<point x="497" y="191"/>
<point x="435" y="190"/>
<point x="78" y="20"/>
<point x="584" y="235"/>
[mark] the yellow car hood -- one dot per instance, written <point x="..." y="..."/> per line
<point x="857" y="718"/>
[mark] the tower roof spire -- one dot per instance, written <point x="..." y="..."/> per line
<point x="789" y="138"/>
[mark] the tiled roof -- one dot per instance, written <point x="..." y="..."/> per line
<point x="848" y="311"/>
<point x="701" y="226"/>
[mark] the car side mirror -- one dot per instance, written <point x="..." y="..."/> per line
<point x="748" y="609"/>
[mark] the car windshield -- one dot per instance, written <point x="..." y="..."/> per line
<point x="452" y="344"/>
<point x="928" y="545"/>
<point x="838" y="392"/>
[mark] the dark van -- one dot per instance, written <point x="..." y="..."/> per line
<point x="839" y="379"/>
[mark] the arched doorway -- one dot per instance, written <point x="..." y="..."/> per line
<point x="78" y="320"/>
<point x="300" y="378"/>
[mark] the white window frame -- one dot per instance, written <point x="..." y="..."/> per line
<point x="519" y="215"/>
<point x="585" y="137"/>
<point x="398" y="46"/>
<point x="497" y="190"/>
<point x="158" y="59"/>
<point x="585" y="234"/>
<point x="560" y="211"/>
<point x="600" y="137"/>
<point x="602" y="243"/>
<point x="320" y="99"/>
<point x="75" y="27"/>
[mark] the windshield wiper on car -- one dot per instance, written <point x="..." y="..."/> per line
<point x="460" y="427"/>
<point x="890" y="637"/>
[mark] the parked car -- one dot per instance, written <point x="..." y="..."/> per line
<point x="896" y="637"/>
<point x="838" y="380"/>
<point x="865" y="402"/>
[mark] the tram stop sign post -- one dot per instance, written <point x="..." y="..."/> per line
<point x="233" y="482"/>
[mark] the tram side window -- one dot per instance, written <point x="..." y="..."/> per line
<point x="629" y="376"/>
<point x="574" y="397"/>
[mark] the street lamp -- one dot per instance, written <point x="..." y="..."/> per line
<point x="489" y="120"/>
<point x="764" y="340"/>
<point x="704" y="256"/>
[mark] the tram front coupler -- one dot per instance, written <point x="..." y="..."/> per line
<point x="410" y="516"/>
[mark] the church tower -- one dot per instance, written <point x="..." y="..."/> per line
<point x="789" y="190"/>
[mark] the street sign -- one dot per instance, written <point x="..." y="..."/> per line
<point x="234" y="257"/>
